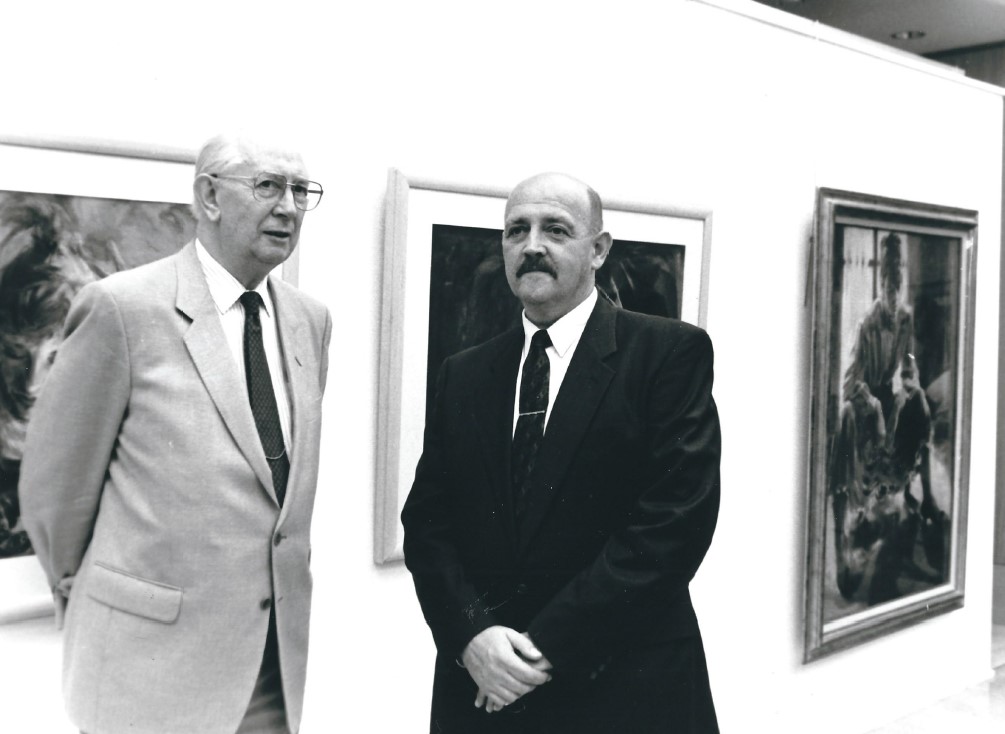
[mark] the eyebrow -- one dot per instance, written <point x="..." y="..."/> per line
<point x="297" y="178"/>
<point x="567" y="220"/>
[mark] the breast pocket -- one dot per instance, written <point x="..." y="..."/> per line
<point x="134" y="595"/>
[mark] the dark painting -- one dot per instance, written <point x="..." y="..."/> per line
<point x="471" y="302"/>
<point x="51" y="246"/>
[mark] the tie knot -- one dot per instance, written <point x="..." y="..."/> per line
<point x="541" y="340"/>
<point x="251" y="302"/>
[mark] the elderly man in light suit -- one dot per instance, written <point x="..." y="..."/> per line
<point x="170" y="468"/>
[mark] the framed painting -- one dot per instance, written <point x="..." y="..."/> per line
<point x="444" y="290"/>
<point x="70" y="212"/>
<point x="890" y="416"/>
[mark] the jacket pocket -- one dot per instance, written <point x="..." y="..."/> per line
<point x="132" y="594"/>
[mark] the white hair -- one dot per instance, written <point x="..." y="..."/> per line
<point x="219" y="153"/>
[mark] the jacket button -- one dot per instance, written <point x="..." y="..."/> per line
<point x="522" y="589"/>
<point x="265" y="603"/>
<point x="278" y="539"/>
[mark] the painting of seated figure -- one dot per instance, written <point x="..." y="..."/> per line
<point x="890" y="419"/>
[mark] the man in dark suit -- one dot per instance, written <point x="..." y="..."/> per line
<point x="171" y="463"/>
<point x="567" y="492"/>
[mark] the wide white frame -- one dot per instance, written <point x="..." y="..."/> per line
<point x="82" y="168"/>
<point x="412" y="206"/>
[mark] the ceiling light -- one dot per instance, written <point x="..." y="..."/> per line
<point x="907" y="35"/>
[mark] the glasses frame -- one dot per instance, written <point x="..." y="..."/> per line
<point x="319" y="190"/>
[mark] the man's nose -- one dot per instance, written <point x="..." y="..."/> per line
<point x="535" y="241"/>
<point x="285" y="202"/>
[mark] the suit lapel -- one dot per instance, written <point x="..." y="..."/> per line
<point x="290" y="322"/>
<point x="492" y="415"/>
<point x="578" y="399"/>
<point x="207" y="346"/>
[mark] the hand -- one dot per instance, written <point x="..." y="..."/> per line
<point x="505" y="665"/>
<point x="541" y="664"/>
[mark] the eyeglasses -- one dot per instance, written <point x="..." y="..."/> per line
<point x="270" y="186"/>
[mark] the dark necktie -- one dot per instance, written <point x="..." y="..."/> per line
<point x="530" y="423"/>
<point x="262" y="396"/>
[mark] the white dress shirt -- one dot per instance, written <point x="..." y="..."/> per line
<point x="226" y="292"/>
<point x="565" y="335"/>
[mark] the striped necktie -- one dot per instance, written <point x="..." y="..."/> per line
<point x="530" y="423"/>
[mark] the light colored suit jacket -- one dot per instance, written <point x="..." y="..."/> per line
<point x="147" y="496"/>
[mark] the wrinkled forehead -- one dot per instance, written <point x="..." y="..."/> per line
<point x="274" y="159"/>
<point x="553" y="198"/>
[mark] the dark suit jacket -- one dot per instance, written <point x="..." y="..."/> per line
<point x="623" y="503"/>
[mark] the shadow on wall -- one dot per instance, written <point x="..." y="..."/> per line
<point x="998" y="603"/>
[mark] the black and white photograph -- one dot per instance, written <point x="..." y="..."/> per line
<point x="612" y="348"/>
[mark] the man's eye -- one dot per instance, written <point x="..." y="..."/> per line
<point x="299" y="190"/>
<point x="557" y="231"/>
<point x="269" y="186"/>
<point x="516" y="230"/>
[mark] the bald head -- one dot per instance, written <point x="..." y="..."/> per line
<point x="564" y="191"/>
<point x="553" y="244"/>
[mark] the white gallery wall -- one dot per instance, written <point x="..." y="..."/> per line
<point x="674" y="102"/>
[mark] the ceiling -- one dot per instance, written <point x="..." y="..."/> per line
<point x="947" y="24"/>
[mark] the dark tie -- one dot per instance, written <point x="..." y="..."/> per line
<point x="262" y="396"/>
<point x="530" y="423"/>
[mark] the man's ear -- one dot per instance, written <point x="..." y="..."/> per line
<point x="601" y="247"/>
<point x="204" y="192"/>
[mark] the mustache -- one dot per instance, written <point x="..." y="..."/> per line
<point x="535" y="264"/>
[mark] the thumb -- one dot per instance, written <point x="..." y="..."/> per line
<point x="523" y="645"/>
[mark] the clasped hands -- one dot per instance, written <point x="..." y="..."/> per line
<point x="505" y="665"/>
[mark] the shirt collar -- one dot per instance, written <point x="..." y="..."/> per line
<point x="224" y="288"/>
<point x="565" y="332"/>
